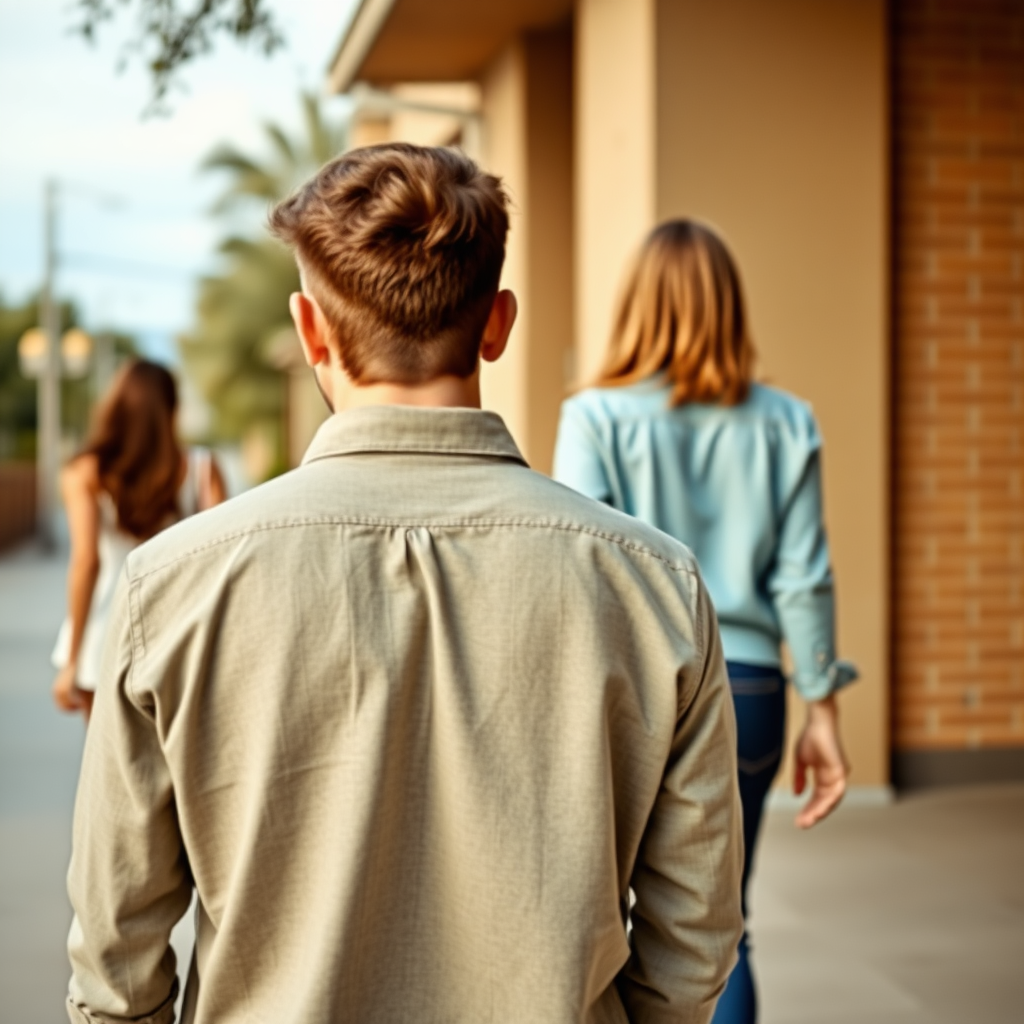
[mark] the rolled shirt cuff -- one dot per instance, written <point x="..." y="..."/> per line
<point x="831" y="678"/>
<point x="163" y="1014"/>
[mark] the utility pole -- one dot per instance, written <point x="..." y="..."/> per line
<point x="48" y="423"/>
<point x="104" y="363"/>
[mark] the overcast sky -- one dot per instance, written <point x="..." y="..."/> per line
<point x="65" y="112"/>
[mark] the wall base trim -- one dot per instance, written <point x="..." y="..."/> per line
<point x="856" y="796"/>
<point x="924" y="769"/>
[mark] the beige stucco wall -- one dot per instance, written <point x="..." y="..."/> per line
<point x="527" y="140"/>
<point x="615" y="157"/>
<point x="550" y="255"/>
<point x="503" y="105"/>
<point x="428" y="128"/>
<point x="424" y="113"/>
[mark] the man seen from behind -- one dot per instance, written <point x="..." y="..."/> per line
<point x="413" y="720"/>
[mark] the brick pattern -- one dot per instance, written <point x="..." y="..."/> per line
<point x="958" y="191"/>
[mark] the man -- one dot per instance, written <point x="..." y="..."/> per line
<point x="413" y="719"/>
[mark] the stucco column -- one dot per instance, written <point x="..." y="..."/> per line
<point x="503" y="106"/>
<point x="615" y="158"/>
<point x="527" y="140"/>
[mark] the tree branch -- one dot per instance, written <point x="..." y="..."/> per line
<point x="169" y="35"/>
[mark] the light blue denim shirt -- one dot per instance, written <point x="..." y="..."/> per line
<point x="741" y="486"/>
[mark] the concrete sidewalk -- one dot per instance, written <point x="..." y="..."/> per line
<point x="906" y="914"/>
<point x="39" y="755"/>
<point x="40" y="750"/>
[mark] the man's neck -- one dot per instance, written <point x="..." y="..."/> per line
<point x="439" y="393"/>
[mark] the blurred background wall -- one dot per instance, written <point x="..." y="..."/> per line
<point x="958" y="371"/>
<point x="865" y="162"/>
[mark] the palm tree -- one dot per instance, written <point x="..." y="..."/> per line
<point x="293" y="161"/>
<point x="233" y="354"/>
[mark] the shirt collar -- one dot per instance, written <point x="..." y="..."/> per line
<point x="403" y="428"/>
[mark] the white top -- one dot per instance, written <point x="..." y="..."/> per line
<point x="114" y="547"/>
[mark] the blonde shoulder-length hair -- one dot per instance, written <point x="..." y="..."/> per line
<point x="681" y="313"/>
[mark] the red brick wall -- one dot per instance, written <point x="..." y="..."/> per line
<point x="17" y="502"/>
<point x="958" y="137"/>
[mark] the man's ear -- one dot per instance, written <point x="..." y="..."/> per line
<point x="498" y="326"/>
<point x="311" y="327"/>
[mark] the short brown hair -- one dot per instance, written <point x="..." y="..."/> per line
<point x="682" y="313"/>
<point x="402" y="246"/>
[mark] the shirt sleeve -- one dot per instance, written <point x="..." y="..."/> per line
<point x="687" y="920"/>
<point x="129" y="880"/>
<point x="801" y="587"/>
<point x="578" y="462"/>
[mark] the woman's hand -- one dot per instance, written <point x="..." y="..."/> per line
<point x="66" y="694"/>
<point x="820" y="750"/>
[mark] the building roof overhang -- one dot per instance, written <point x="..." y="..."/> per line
<point x="389" y="41"/>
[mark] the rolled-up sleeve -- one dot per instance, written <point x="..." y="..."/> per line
<point x="129" y="881"/>
<point x="800" y="582"/>
<point x="687" y="920"/>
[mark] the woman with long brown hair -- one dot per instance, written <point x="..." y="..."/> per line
<point x="677" y="433"/>
<point x="131" y="479"/>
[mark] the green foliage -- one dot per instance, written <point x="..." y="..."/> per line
<point x="168" y="35"/>
<point x="291" y="162"/>
<point x="17" y="394"/>
<point x="237" y="314"/>
<point x="231" y="353"/>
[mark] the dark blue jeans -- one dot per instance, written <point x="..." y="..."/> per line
<point x="759" y="696"/>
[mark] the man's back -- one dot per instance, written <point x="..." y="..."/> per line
<point x="421" y="717"/>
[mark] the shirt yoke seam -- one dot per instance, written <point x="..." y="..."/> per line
<point x="404" y="524"/>
<point x="430" y="449"/>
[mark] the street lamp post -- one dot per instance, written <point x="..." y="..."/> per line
<point x="48" y="437"/>
<point x="47" y="356"/>
<point x="104" y="363"/>
<point x="68" y="356"/>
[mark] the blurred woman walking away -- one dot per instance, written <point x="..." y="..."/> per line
<point x="131" y="479"/>
<point x="676" y="433"/>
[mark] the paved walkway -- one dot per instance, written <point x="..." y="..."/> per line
<point x="908" y="914"/>
<point x="40" y="751"/>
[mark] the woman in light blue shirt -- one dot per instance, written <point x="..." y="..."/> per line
<point x="677" y="434"/>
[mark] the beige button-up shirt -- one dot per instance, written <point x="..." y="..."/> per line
<point x="413" y="719"/>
